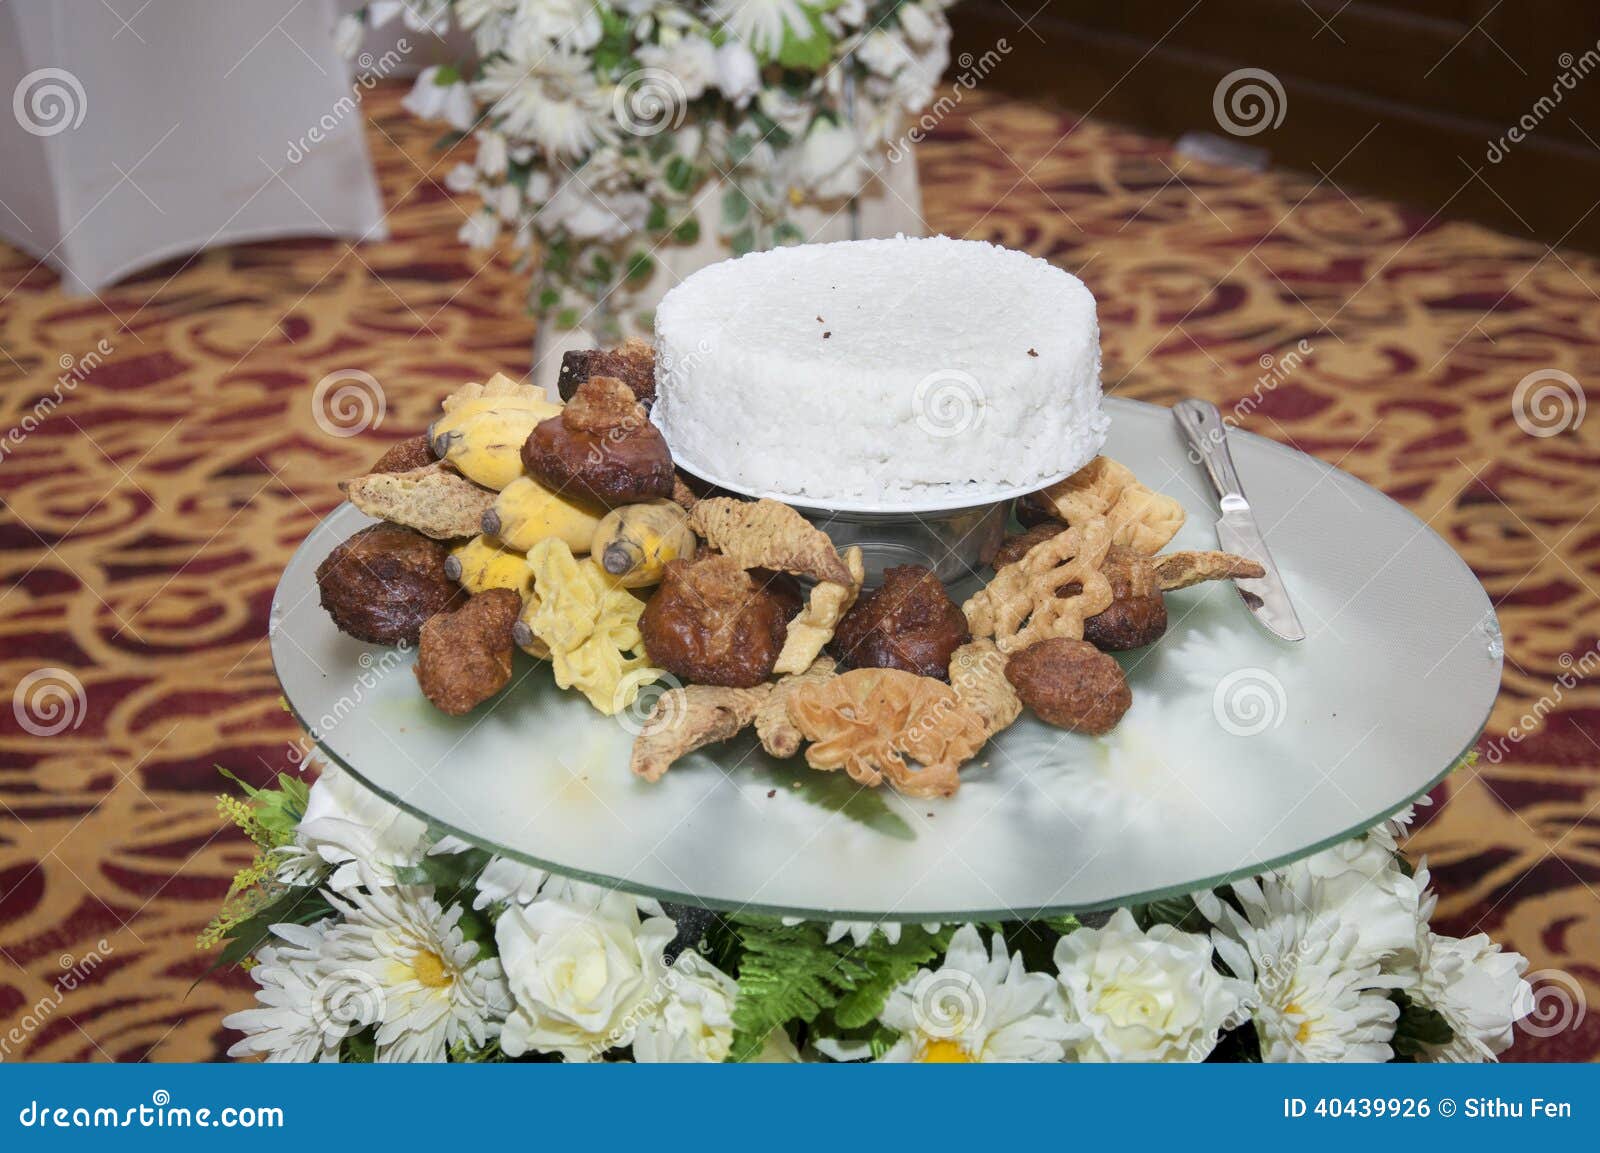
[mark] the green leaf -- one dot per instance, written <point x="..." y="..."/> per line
<point x="837" y="793"/>
<point x="786" y="232"/>
<point x="567" y="319"/>
<point x="680" y="174"/>
<point x="786" y="973"/>
<point x="1180" y="912"/>
<point x="640" y="266"/>
<point x="887" y="967"/>
<point x="743" y="241"/>
<point x="1418" y="1028"/>
<point x="361" y="1049"/>
<point x="447" y="75"/>
<point x="688" y="232"/>
<point x="548" y="299"/>
<point x="295" y="907"/>
<point x="808" y="52"/>
<point x="657" y="220"/>
<point x="735" y="206"/>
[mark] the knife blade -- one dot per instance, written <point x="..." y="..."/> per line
<point x="1237" y="530"/>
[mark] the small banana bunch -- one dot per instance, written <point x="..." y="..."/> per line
<point x="634" y="543"/>
<point x="484" y="426"/>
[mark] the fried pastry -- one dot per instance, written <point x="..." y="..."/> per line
<point x="633" y="363"/>
<point x="384" y="582"/>
<point x="1023" y="604"/>
<point x="712" y="623"/>
<point x="464" y="657"/>
<point x="690" y="717"/>
<point x="779" y="736"/>
<point x="1179" y="570"/>
<point x="602" y="448"/>
<point x="435" y="500"/>
<point x="1071" y="684"/>
<point x="810" y="632"/>
<point x="908" y="622"/>
<point x="768" y="534"/>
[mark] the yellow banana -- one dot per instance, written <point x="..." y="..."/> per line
<point x="484" y="563"/>
<point x="525" y="513"/>
<point x="484" y="426"/>
<point x="634" y="543"/>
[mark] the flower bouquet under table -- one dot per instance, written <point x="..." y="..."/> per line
<point x="371" y="937"/>
<point x="621" y="144"/>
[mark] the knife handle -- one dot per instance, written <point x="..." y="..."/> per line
<point x="1208" y="441"/>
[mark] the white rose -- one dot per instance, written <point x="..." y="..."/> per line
<point x="1144" y="996"/>
<point x="581" y="973"/>
<point x="882" y="54"/>
<point x="696" y="1021"/>
<point x="738" y="74"/>
<point x="431" y="100"/>
<point x="348" y="826"/>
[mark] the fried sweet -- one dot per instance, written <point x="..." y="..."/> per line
<point x="779" y="736"/>
<point x="435" y="500"/>
<point x="978" y="676"/>
<point x="811" y="631"/>
<point x="602" y="448"/>
<point x="1137" y="614"/>
<point x="413" y="452"/>
<point x="712" y="623"/>
<point x="1023" y="604"/>
<point x="464" y="657"/>
<point x="1179" y="570"/>
<point x="869" y="721"/>
<point x="1139" y="518"/>
<point x="633" y="363"/>
<point x="768" y="534"/>
<point x="384" y="582"/>
<point x="1070" y="684"/>
<point x="691" y="717"/>
<point x="908" y="622"/>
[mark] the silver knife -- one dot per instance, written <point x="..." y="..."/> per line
<point x="1237" y="531"/>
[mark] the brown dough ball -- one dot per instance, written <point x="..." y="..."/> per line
<point x="634" y="363"/>
<point x="602" y="447"/>
<point x="1034" y="509"/>
<point x="1070" y="684"/>
<point x="384" y="582"/>
<point x="464" y="657"/>
<point x="908" y="622"/>
<point x="1016" y="547"/>
<point x="1137" y="615"/>
<point x="712" y="623"/>
<point x="413" y="452"/>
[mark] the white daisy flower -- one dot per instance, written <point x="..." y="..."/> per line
<point x="290" y="1024"/>
<point x="979" y="1006"/>
<point x="504" y="880"/>
<point x="762" y="23"/>
<point x="423" y="983"/>
<point x="551" y="100"/>
<point x="349" y="826"/>
<point x="738" y="73"/>
<point x="1314" y="998"/>
<point x="568" y="25"/>
<point x="433" y="99"/>
<point x="1144" y="996"/>
<point x="695" y="1023"/>
<point x="1397" y="828"/>
<point x="1477" y="988"/>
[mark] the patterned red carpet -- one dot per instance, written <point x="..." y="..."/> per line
<point x="148" y="514"/>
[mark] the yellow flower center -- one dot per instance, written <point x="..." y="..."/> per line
<point x="1303" y="1033"/>
<point x="430" y="970"/>
<point x="943" y="1052"/>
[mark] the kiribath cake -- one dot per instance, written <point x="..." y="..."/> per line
<point x="880" y="372"/>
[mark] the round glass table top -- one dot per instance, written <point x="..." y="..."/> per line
<point x="1240" y="753"/>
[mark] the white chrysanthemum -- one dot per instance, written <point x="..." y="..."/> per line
<point x="449" y="100"/>
<point x="738" y="73"/>
<point x="600" y="201"/>
<point x="405" y="961"/>
<point x="1397" y="828"/>
<point x="1477" y="988"/>
<point x="566" y="25"/>
<point x="690" y="60"/>
<point x="552" y="101"/>
<point x="1313" y="999"/>
<point x="979" y="1006"/>
<point x="582" y="968"/>
<point x="695" y="1022"/>
<point x="350" y="827"/>
<point x="762" y="23"/>
<point x="489" y="21"/>
<point x="291" y="1023"/>
<point x="1144" y="996"/>
<point x="503" y="879"/>
<point x="1360" y="881"/>
<point x="882" y="54"/>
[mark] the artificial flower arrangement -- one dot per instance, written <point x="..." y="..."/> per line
<point x="372" y="938"/>
<point x="600" y="125"/>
